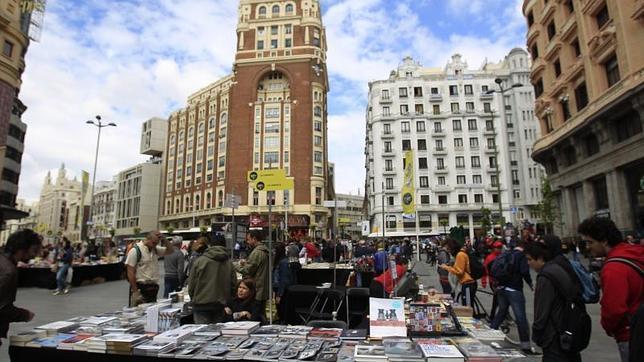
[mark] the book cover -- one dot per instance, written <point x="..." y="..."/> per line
<point x="387" y="317"/>
<point x="370" y="353"/>
<point x="325" y="333"/>
<point x="270" y="330"/>
<point x="440" y="351"/>
<point x="295" y="332"/>
<point x="354" y="334"/>
<point x="402" y="348"/>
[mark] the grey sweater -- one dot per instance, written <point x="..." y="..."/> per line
<point x="173" y="265"/>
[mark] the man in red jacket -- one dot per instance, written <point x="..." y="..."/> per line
<point x="621" y="281"/>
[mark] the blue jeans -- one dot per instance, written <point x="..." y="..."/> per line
<point x="516" y="300"/>
<point x="61" y="276"/>
<point x="171" y="284"/>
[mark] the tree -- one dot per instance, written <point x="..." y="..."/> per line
<point x="112" y="232"/>
<point x="486" y="220"/>
<point x="170" y="229"/>
<point x="444" y="224"/>
<point x="137" y="231"/>
<point x="203" y="229"/>
<point x="548" y="208"/>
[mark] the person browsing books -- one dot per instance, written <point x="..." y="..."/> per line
<point x="256" y="267"/>
<point x="461" y="269"/>
<point x="143" y="267"/>
<point x="244" y="307"/>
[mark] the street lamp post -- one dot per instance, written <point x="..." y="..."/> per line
<point x="502" y="91"/>
<point x="98" y="124"/>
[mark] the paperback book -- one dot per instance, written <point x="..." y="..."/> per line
<point x="387" y="317"/>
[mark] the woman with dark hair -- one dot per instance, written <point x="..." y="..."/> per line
<point x="461" y="270"/>
<point x="549" y="303"/>
<point x="244" y="307"/>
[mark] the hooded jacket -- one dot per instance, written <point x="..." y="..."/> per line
<point x="622" y="290"/>
<point x="212" y="278"/>
<point x="256" y="267"/>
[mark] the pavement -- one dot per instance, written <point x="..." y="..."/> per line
<point x="110" y="296"/>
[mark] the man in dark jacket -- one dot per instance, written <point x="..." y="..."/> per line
<point x="21" y="246"/>
<point x="211" y="284"/>
<point x="621" y="279"/>
<point x="256" y="267"/>
<point x="510" y="293"/>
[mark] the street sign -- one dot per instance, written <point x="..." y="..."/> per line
<point x="232" y="201"/>
<point x="270" y="180"/>
<point x="344" y="220"/>
<point x="332" y="203"/>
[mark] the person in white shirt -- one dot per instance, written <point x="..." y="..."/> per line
<point x="143" y="267"/>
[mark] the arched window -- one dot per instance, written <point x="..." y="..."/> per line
<point x="224" y="118"/>
<point x="208" y="201"/>
<point x="177" y="208"/>
<point x="168" y="208"/>
<point x="275" y="10"/>
<point x="317" y="111"/>
<point x="202" y="126"/>
<point x="220" y="198"/>
<point x="181" y="136"/>
<point x="191" y="132"/>
<point x="262" y="11"/>
<point x="211" y="123"/>
<point x="289" y="8"/>
<point x="197" y="202"/>
<point x="186" y="205"/>
<point x="173" y="138"/>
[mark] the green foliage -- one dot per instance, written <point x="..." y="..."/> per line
<point x="547" y="208"/>
<point x="486" y="219"/>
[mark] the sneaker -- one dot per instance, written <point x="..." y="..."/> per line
<point x="66" y="290"/>
<point x="57" y="292"/>
<point x="531" y="351"/>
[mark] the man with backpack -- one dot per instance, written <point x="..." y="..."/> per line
<point x="143" y="268"/>
<point x="622" y="283"/>
<point x="508" y="271"/>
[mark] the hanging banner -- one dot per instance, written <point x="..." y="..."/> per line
<point x="408" y="192"/>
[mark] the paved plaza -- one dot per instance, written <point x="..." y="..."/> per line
<point x="92" y="299"/>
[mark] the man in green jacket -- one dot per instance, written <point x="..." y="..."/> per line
<point x="256" y="266"/>
<point x="211" y="284"/>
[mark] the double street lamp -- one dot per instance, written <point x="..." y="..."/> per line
<point x="98" y="124"/>
<point x="502" y="91"/>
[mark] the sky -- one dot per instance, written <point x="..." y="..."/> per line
<point x="130" y="60"/>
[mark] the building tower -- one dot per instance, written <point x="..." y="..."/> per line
<point x="269" y="113"/>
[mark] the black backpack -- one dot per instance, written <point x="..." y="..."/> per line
<point x="476" y="267"/>
<point x="636" y="349"/>
<point x="502" y="268"/>
<point x="574" y="331"/>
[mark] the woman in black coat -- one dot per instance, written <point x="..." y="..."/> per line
<point x="244" y="307"/>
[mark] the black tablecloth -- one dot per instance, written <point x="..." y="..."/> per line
<point x="45" y="278"/>
<point x="28" y="354"/>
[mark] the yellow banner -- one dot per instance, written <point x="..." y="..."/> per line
<point x="408" y="192"/>
<point x="270" y="180"/>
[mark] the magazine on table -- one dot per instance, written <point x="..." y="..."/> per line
<point x="387" y="317"/>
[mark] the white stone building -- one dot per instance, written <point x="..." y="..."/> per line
<point x="55" y="198"/>
<point x="455" y="128"/>
<point x="137" y="198"/>
<point x="104" y="208"/>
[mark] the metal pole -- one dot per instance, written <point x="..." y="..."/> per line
<point x="270" y="262"/>
<point x="417" y="236"/>
<point x="384" y="223"/>
<point x="234" y="230"/>
<point x="91" y="205"/>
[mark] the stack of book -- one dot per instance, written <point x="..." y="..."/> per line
<point x="211" y="330"/>
<point x="354" y="335"/>
<point x="179" y="334"/>
<point x="152" y="348"/>
<point x="325" y="333"/>
<point x="269" y="330"/>
<point x="479" y="352"/>
<point x="54" y="328"/>
<point x="239" y="328"/>
<point x="402" y="350"/>
<point x="298" y="332"/>
<point x="22" y="338"/>
<point x="364" y="353"/>
<point x="486" y="334"/>
<point x="123" y="343"/>
<point x="96" y="344"/>
<point x="183" y="350"/>
<point x="49" y="341"/>
<point x="70" y="343"/>
<point x="441" y="352"/>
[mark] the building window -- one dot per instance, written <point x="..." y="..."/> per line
<point x="420" y="126"/>
<point x="494" y="181"/>
<point x="460" y="179"/>
<point x="453" y="90"/>
<point x="557" y="67"/>
<point x="458" y="143"/>
<point x="476" y="161"/>
<point x="565" y="108"/>
<point x="418" y="91"/>
<point x="462" y="199"/>
<point x="386" y="111"/>
<point x="570" y="155"/>
<point x="487" y="108"/>
<point x="436" y="109"/>
<point x="289" y="9"/>
<point x="434" y="90"/>
<point x="424" y="199"/>
<point x="260" y="44"/>
<point x="419" y="109"/>
<point x="274" y="44"/>
<point x="469" y="107"/>
<point x="530" y="17"/>
<point x="276" y="10"/>
<point x="388" y="146"/>
<point x="441" y="180"/>
<point x="581" y="96"/>
<point x="288" y="28"/>
<point x="474" y="142"/>
<point x="424" y="181"/>
<point x="390" y="201"/>
<point x="386" y="128"/>
<point x="402" y="92"/>
<point x="404" y="127"/>
<point x="389" y="165"/>
<point x="271" y="157"/>
<point x="456" y="125"/>
<point x="438" y="128"/>
<point x="389" y="183"/>
<point x="478" y="198"/>
<point x="262" y="12"/>
<point x="455" y="108"/>
<point x="576" y="47"/>
<point x="570" y="6"/>
<point x="551" y="30"/>
<point x="7" y="49"/>
<point x="612" y="70"/>
<point x="471" y="124"/>
<point x="385" y="94"/>
<point x="287" y="43"/>
<point x="422" y="145"/>
<point x="440" y="163"/>
<point x="406" y="145"/>
<point x="538" y="88"/>
<point x="468" y="90"/>
<point x="477" y="179"/>
<point x="602" y="17"/>
<point x="318" y="196"/>
<point x="601" y="193"/>
<point x="460" y="162"/>
<point x="317" y="156"/>
<point x="442" y="199"/>
<point x="404" y="109"/>
<point x="534" y="51"/>
<point x="317" y="111"/>
<point x="422" y="163"/>
<point x="627" y="126"/>
<point x="592" y="145"/>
